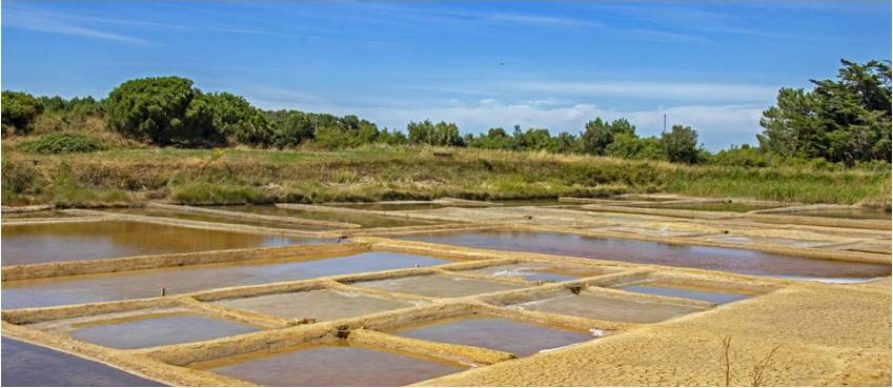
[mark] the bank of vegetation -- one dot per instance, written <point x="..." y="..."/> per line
<point x="164" y="139"/>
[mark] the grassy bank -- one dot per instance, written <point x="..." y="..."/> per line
<point x="391" y="173"/>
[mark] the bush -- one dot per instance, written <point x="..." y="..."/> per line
<point x="62" y="143"/>
<point x="163" y="111"/>
<point x="681" y="144"/>
<point x="19" y="111"/>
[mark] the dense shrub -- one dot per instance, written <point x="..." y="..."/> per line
<point x="681" y="144"/>
<point x="163" y="111"/>
<point x="62" y="143"/>
<point x="19" y="111"/>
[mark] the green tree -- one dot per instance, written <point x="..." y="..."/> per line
<point x="440" y="134"/>
<point x="681" y="144"/>
<point x="844" y="120"/>
<point x="599" y="134"/>
<point x="19" y="111"/>
<point x="239" y="121"/>
<point x="163" y="111"/>
<point x="290" y="127"/>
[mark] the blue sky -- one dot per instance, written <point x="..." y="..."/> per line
<point x="712" y="65"/>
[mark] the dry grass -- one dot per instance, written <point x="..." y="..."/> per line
<point x="393" y="173"/>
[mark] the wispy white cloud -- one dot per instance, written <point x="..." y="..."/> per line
<point x="539" y="20"/>
<point x="651" y="90"/>
<point x="36" y="20"/>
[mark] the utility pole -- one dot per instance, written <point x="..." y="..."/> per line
<point x="665" y="122"/>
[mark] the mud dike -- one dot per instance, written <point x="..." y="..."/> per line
<point x="450" y="292"/>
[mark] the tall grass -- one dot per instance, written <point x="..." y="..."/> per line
<point x="389" y="173"/>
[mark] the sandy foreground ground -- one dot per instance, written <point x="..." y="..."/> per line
<point x="824" y="337"/>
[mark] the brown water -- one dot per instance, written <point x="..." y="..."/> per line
<point x="598" y="307"/>
<point x="539" y="272"/>
<point x="322" y="305"/>
<point x="335" y="366"/>
<point x="154" y="212"/>
<point x="44" y="243"/>
<point x="705" y="294"/>
<point x="26" y="365"/>
<point x="644" y="252"/>
<point x="142" y="332"/>
<point x="364" y="220"/>
<point x="521" y="339"/>
<point x="148" y="283"/>
<point x="438" y="286"/>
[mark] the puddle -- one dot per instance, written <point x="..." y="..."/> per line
<point x="44" y="243"/>
<point x="334" y="366"/>
<point x="539" y="272"/>
<point x="644" y="252"/>
<point x="533" y="202"/>
<point x="522" y="339"/>
<point x="144" y="332"/>
<point x="664" y="232"/>
<point x="148" y="283"/>
<point x="153" y="212"/>
<point x="26" y="365"/>
<point x="322" y="305"/>
<point x="705" y="294"/>
<point x="857" y="214"/>
<point x="364" y="220"/>
<point x="768" y="240"/>
<point x="36" y="214"/>
<point x="437" y="286"/>
<point x="598" y="307"/>
<point x="735" y="207"/>
<point x="394" y="206"/>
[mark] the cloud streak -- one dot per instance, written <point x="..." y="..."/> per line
<point x="653" y="90"/>
<point x="35" y="20"/>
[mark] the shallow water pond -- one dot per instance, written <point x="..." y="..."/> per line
<point x="44" y="243"/>
<point x="321" y="305"/>
<point x="148" y="283"/>
<point x="334" y="366"/>
<point x="169" y="329"/>
<point x="610" y="309"/>
<point x="521" y="339"/>
<point x="26" y="365"/>
<point x="437" y="286"/>
<point x="154" y="212"/>
<point x="645" y="252"/>
<point x="698" y="293"/>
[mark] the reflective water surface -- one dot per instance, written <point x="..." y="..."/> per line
<point x="26" y="365"/>
<point x="148" y="283"/>
<point x="43" y="243"/>
<point x="336" y="366"/>
<point x="644" y="252"/>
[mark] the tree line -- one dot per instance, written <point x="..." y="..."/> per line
<point x="846" y="120"/>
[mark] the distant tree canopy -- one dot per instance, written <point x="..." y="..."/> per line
<point x="440" y="134"/>
<point x="598" y="134"/>
<point x="845" y="120"/>
<point x="19" y="111"/>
